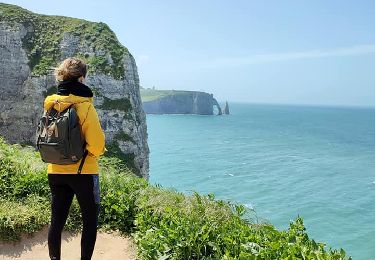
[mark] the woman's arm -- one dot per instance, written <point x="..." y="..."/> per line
<point x="93" y="133"/>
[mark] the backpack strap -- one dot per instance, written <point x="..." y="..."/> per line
<point x="82" y="162"/>
<point x="45" y="127"/>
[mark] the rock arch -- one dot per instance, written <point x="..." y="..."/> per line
<point x="215" y="103"/>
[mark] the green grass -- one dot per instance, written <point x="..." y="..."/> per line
<point x="164" y="223"/>
<point x="122" y="104"/>
<point x="22" y="217"/>
<point x="42" y="44"/>
<point x="152" y="94"/>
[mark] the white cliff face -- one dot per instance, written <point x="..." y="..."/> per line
<point x="15" y="109"/>
<point x="183" y="102"/>
<point x="118" y="101"/>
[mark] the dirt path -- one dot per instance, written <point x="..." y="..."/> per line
<point x="108" y="247"/>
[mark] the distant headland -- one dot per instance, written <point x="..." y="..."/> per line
<point x="180" y="102"/>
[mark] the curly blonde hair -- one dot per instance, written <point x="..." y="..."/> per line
<point x="71" y="69"/>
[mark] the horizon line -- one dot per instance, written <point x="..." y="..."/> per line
<point x="298" y="104"/>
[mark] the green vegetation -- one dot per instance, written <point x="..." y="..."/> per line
<point x="26" y="216"/>
<point x="122" y="136"/>
<point x="122" y="104"/>
<point x="45" y="33"/>
<point x="153" y="94"/>
<point x="127" y="160"/>
<point x="165" y="224"/>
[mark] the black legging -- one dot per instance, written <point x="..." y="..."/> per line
<point x="86" y="188"/>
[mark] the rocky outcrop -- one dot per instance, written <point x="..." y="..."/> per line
<point x="217" y="106"/>
<point x="226" y="109"/>
<point x="182" y="102"/>
<point x="26" y="78"/>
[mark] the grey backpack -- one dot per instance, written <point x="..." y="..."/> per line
<point x="59" y="137"/>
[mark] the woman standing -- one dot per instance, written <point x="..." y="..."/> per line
<point x="64" y="180"/>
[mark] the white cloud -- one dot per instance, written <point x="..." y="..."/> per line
<point x="288" y="56"/>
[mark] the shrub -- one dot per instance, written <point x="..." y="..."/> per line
<point x="165" y="224"/>
<point x="22" y="217"/>
<point x="170" y="225"/>
<point x="119" y="194"/>
<point x="21" y="172"/>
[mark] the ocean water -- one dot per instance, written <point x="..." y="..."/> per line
<point x="281" y="161"/>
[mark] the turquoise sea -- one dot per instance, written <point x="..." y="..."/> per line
<point x="281" y="161"/>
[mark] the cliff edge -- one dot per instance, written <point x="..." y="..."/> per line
<point x="32" y="44"/>
<point x="178" y="102"/>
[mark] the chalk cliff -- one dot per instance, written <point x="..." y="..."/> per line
<point x="179" y="102"/>
<point x="31" y="45"/>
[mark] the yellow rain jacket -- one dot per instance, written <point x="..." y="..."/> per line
<point x="91" y="130"/>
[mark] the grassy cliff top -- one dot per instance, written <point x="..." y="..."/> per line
<point x="45" y="33"/>
<point x="154" y="94"/>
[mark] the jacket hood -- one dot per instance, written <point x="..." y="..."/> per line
<point x="60" y="103"/>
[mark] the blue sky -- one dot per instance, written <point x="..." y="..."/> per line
<point x="293" y="52"/>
